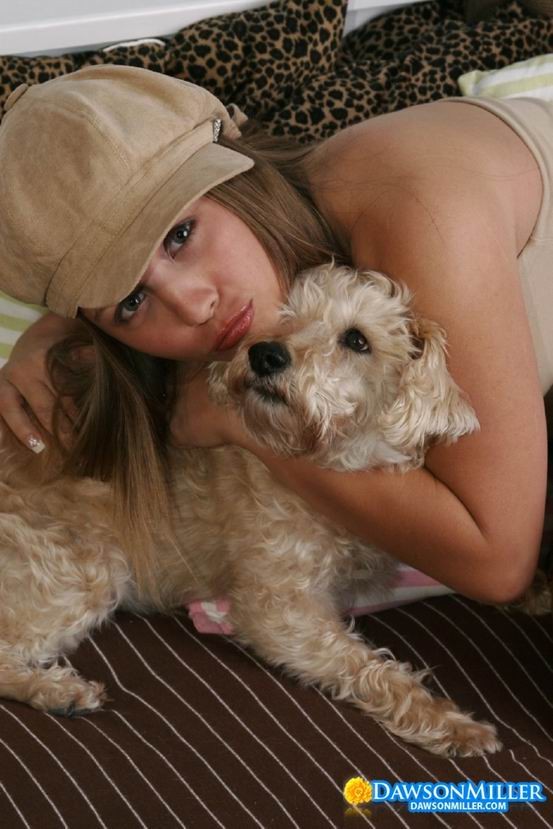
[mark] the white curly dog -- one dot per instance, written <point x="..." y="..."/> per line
<point x="352" y="380"/>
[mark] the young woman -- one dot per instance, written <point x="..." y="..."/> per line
<point x="132" y="200"/>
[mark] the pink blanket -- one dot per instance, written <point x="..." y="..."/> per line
<point x="212" y="616"/>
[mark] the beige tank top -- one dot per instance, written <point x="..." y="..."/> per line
<point x="532" y="120"/>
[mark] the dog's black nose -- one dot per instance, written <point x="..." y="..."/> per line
<point x="268" y="358"/>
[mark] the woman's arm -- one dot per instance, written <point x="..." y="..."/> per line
<point x="25" y="386"/>
<point x="418" y="520"/>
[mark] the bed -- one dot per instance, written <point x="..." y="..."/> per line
<point x="197" y="732"/>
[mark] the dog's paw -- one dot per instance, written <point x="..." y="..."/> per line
<point x="464" y="737"/>
<point x="85" y="703"/>
<point x="62" y="692"/>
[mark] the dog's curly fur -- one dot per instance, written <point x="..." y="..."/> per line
<point x="357" y="381"/>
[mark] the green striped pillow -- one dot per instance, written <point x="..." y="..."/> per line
<point x="15" y="317"/>
<point x="529" y="78"/>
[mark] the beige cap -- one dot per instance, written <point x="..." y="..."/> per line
<point x="95" y="167"/>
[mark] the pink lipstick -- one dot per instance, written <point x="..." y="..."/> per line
<point x="235" y="328"/>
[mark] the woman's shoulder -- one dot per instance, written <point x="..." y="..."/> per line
<point x="446" y="155"/>
<point x="423" y="139"/>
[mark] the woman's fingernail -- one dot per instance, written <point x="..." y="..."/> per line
<point x="35" y="444"/>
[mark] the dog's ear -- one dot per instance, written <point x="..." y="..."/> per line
<point x="217" y="386"/>
<point x="430" y="406"/>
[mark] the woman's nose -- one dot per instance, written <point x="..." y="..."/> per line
<point x="192" y="297"/>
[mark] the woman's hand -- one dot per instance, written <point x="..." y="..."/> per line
<point x="198" y="421"/>
<point x="27" y="396"/>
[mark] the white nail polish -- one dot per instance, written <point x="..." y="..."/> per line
<point x="35" y="444"/>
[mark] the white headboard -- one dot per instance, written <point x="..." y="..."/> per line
<point x="39" y="26"/>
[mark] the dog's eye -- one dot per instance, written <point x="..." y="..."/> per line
<point x="355" y="340"/>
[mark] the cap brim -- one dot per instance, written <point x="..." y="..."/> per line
<point x="122" y="264"/>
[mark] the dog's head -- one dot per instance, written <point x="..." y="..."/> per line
<point x="351" y="378"/>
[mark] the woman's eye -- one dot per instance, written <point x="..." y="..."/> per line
<point x="178" y="236"/>
<point x="129" y="306"/>
<point x="356" y="341"/>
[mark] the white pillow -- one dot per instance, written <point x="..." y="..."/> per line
<point x="531" y="78"/>
<point x="15" y="317"/>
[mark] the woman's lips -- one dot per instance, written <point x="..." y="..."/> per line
<point x="235" y="329"/>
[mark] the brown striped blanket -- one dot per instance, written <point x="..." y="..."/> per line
<point x="199" y="733"/>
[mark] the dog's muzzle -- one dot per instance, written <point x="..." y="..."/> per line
<point x="268" y="358"/>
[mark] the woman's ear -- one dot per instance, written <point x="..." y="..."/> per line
<point x="429" y="406"/>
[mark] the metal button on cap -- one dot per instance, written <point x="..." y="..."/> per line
<point x="217" y="127"/>
<point x="15" y="95"/>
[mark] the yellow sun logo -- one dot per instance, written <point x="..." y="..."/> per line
<point x="357" y="790"/>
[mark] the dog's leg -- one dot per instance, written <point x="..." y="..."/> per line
<point x="57" y="689"/>
<point x="57" y="583"/>
<point x="305" y="634"/>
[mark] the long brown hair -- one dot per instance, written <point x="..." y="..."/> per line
<point x="124" y="398"/>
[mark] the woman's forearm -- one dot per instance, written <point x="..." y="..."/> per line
<point x="25" y="384"/>
<point x="412" y="515"/>
<point x="43" y="332"/>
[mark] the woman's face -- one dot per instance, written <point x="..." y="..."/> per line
<point x="208" y="284"/>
